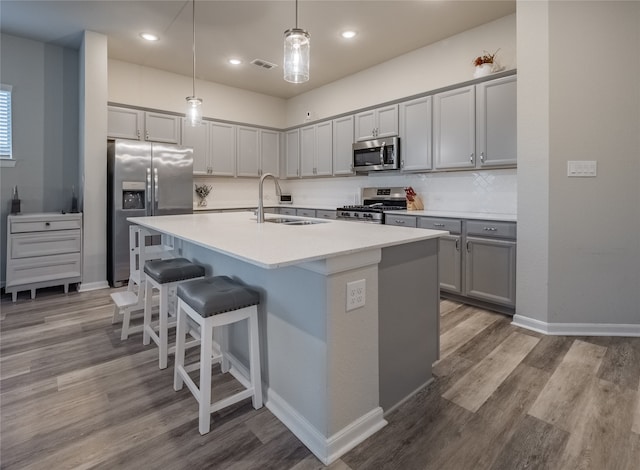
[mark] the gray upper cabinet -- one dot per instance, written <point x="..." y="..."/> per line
<point x="198" y="138"/>
<point x="292" y="152"/>
<point x="127" y="123"/>
<point x="454" y="128"/>
<point x="343" y="146"/>
<point x="496" y="119"/>
<point x="222" y="149"/>
<point x="316" y="150"/>
<point x="247" y="151"/>
<point x="379" y="122"/>
<point x="269" y="152"/>
<point x="415" y="134"/>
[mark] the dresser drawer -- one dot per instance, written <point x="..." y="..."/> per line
<point x="37" y="270"/>
<point x="45" y="225"/>
<point x="484" y="228"/>
<point x="433" y="223"/>
<point x="27" y="245"/>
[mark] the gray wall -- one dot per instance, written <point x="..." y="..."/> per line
<point x="45" y="127"/>
<point x="578" y="238"/>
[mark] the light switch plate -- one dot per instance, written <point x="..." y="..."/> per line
<point x="582" y="168"/>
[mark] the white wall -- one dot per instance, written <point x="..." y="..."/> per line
<point x="93" y="164"/>
<point x="578" y="243"/>
<point x="439" y="65"/>
<point x="152" y="88"/>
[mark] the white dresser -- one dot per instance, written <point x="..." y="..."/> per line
<point x="43" y="250"/>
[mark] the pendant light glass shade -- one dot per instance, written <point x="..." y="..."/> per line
<point x="194" y="104"/>
<point x="194" y="111"/>
<point x="296" y="55"/>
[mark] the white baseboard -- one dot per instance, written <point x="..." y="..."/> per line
<point x="326" y="449"/>
<point x="87" y="286"/>
<point x="576" y="329"/>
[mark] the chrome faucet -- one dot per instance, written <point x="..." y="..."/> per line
<point x="260" y="211"/>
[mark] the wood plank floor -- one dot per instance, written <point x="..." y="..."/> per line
<point x="72" y="395"/>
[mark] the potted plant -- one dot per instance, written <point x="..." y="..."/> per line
<point x="485" y="64"/>
<point x="202" y="190"/>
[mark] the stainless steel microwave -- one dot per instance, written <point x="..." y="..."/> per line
<point x="376" y="155"/>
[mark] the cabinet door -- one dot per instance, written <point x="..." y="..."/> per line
<point x="450" y="263"/>
<point x="324" y="149"/>
<point x="247" y="151"/>
<point x="292" y="141"/>
<point x="491" y="270"/>
<point x="496" y="122"/>
<point x="307" y="151"/>
<point x="306" y="212"/>
<point x="269" y="152"/>
<point x="365" y="125"/>
<point x="387" y="121"/>
<point x="222" y="149"/>
<point x="343" y="146"/>
<point x="454" y="128"/>
<point x="162" y="128"/>
<point x="198" y="139"/>
<point x="124" y="123"/>
<point x="415" y="134"/>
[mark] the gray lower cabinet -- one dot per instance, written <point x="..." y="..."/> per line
<point x="325" y="214"/>
<point x="287" y="211"/>
<point x="477" y="260"/>
<point x="306" y="212"/>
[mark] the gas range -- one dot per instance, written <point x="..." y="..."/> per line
<point x="375" y="201"/>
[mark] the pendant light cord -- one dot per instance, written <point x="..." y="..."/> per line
<point x="193" y="13"/>
<point x="296" y="14"/>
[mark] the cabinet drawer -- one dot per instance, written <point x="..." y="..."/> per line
<point x="400" y="220"/>
<point x="27" y="245"/>
<point x="306" y="212"/>
<point x="324" y="214"/>
<point x="287" y="211"/>
<point x="45" y="225"/>
<point x="483" y="228"/>
<point x="433" y="223"/>
<point x="47" y="268"/>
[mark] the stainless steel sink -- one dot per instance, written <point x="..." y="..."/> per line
<point x="285" y="221"/>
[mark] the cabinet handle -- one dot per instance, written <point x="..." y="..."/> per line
<point x="438" y="225"/>
<point x="146" y="136"/>
<point x="471" y="158"/>
<point x="401" y="163"/>
<point x="47" y="224"/>
<point x="138" y="132"/>
<point x="468" y="247"/>
<point x="457" y="244"/>
<point x="489" y="229"/>
<point x="482" y="157"/>
<point x="398" y="221"/>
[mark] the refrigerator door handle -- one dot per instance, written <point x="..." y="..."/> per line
<point x="156" y="187"/>
<point x="148" y="191"/>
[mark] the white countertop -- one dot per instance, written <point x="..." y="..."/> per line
<point x="269" y="245"/>
<point x="459" y="215"/>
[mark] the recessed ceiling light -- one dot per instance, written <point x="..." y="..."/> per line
<point x="235" y="61"/>
<point x="149" y="36"/>
<point x="348" y="34"/>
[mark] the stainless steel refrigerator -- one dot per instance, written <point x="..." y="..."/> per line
<point x="144" y="179"/>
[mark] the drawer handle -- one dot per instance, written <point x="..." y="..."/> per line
<point x="399" y="221"/>
<point x="490" y="229"/>
<point x="438" y="225"/>
<point x="47" y="224"/>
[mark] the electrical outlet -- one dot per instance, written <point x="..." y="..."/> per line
<point x="356" y="294"/>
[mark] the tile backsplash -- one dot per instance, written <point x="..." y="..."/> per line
<point x="486" y="191"/>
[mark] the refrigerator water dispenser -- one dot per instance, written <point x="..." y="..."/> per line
<point x="133" y="195"/>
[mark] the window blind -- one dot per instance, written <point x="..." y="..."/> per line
<point x="5" y="121"/>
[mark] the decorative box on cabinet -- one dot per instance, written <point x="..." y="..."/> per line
<point x="43" y="250"/>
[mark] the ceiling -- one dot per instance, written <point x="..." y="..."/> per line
<point x="251" y="30"/>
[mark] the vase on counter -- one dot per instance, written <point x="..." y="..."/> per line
<point x="202" y="202"/>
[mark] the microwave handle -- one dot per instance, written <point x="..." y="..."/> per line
<point x="382" y="153"/>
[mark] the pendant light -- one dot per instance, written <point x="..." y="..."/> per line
<point x="194" y="104"/>
<point x="296" y="53"/>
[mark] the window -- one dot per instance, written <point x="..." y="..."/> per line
<point x="5" y="122"/>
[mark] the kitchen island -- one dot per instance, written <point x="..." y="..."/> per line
<point x="332" y="363"/>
